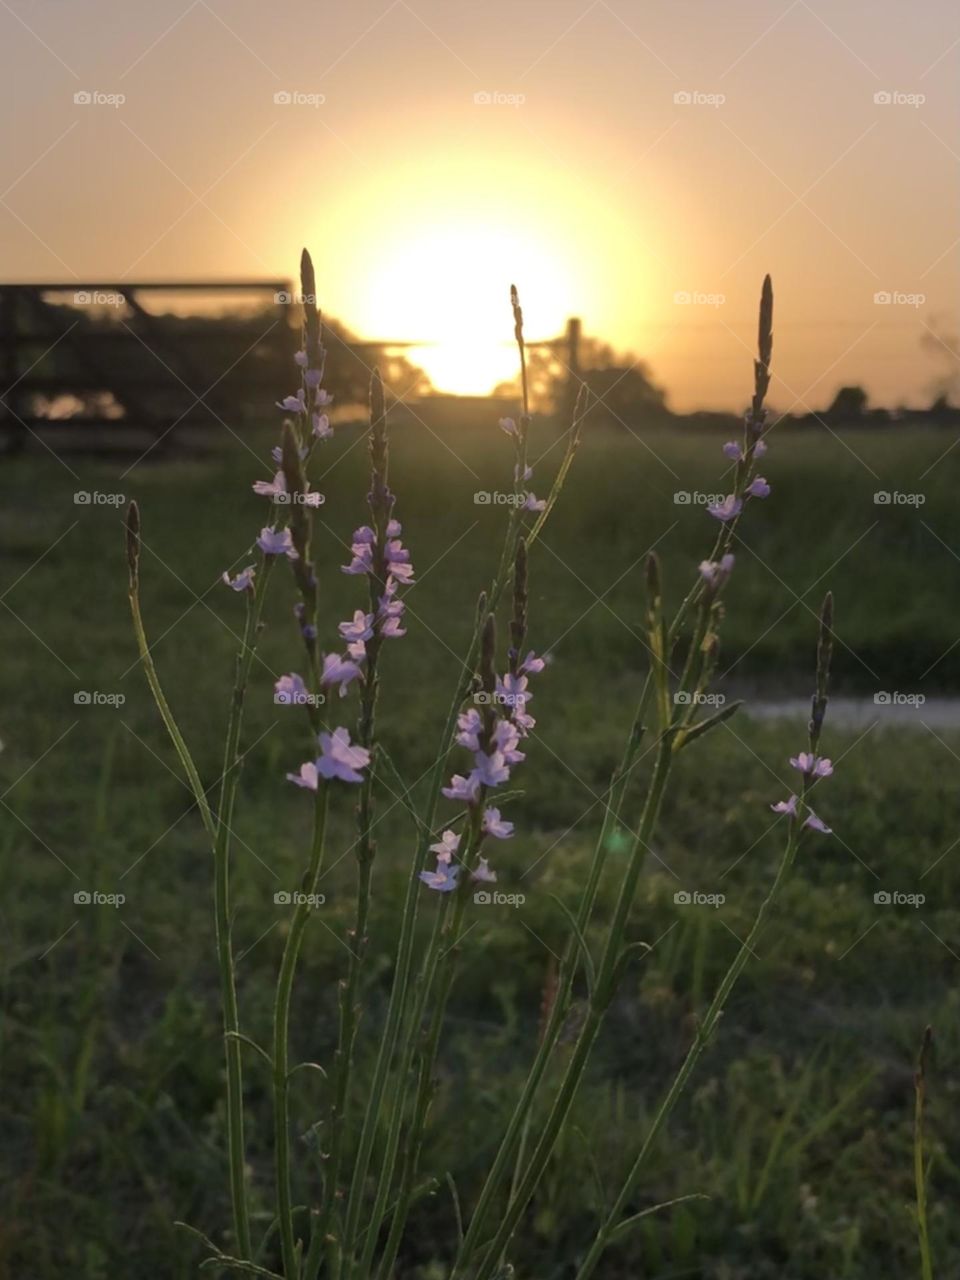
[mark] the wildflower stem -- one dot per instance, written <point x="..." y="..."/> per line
<point x="919" y="1164"/>
<point x="281" y="1036"/>
<point x="704" y="1032"/>
<point x="558" y="1012"/>
<point x="600" y="998"/>
<point x="380" y="505"/>
<point x="228" y="987"/>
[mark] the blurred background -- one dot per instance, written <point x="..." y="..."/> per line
<point x="635" y="170"/>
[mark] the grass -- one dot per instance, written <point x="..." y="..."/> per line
<point x="799" y="1125"/>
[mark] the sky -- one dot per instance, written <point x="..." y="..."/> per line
<point x="640" y="165"/>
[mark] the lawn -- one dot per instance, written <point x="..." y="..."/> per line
<point x="798" y="1127"/>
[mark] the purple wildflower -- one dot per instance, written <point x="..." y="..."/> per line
<point x="482" y="872"/>
<point x="490" y="769"/>
<point x="446" y="847"/>
<point x="293" y="404"/>
<point x="811" y="765"/>
<point x="494" y="825"/>
<point x="338" y="759"/>
<point x="531" y="665"/>
<point x="243" y="581"/>
<point x="716" y="572"/>
<point x="508" y="425"/>
<point x="444" y="879"/>
<point x="786" y="806"/>
<point x="532" y="503"/>
<point x="462" y="788"/>
<point x="359" y="629"/>
<point x="307" y="777"/>
<point x="506" y="739"/>
<point x="732" y="451"/>
<point x="728" y="509"/>
<point x="817" y="824"/>
<point x="277" y="542"/>
<point x="758" y="488"/>
<point x="290" y="691"/>
<point x="760" y="448"/>
<point x="321" y="426"/>
<point x="339" y="670"/>
<point x="470" y="725"/>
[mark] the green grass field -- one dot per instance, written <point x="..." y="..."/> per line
<point x="798" y="1127"/>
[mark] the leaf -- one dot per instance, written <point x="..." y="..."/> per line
<point x="581" y="942"/>
<point x="238" y="1035"/>
<point x="623" y="1227"/>
<point x="686" y="736"/>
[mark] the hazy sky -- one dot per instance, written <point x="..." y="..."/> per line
<point x="582" y="177"/>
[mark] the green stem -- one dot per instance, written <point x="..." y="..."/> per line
<point x="704" y="1032"/>
<point x="281" y="1036"/>
<point x="233" y="1048"/>
<point x="601" y="996"/>
<point x="561" y="1002"/>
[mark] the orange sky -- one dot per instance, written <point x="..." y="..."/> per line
<point x="578" y="172"/>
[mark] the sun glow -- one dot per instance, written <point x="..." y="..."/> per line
<point x="448" y="288"/>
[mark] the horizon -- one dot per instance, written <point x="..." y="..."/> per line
<point x="436" y="155"/>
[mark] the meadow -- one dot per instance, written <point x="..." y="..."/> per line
<point x="797" y="1130"/>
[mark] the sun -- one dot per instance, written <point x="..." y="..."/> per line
<point x="448" y="288"/>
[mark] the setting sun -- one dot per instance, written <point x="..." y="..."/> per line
<point x="448" y="287"/>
